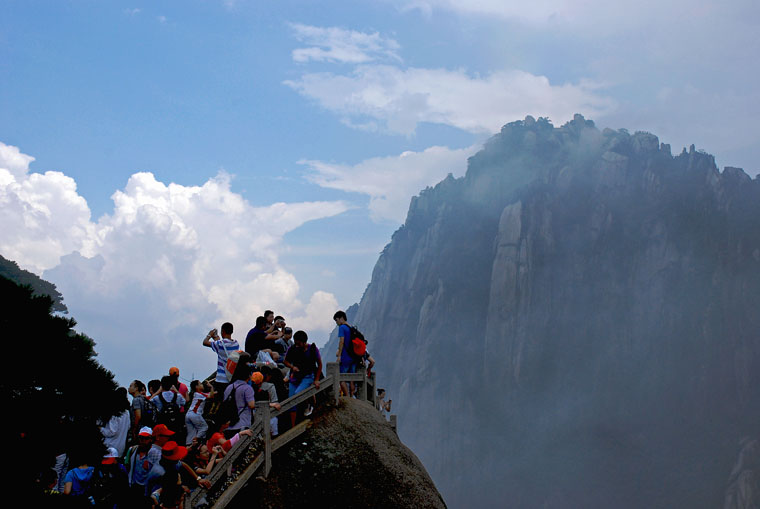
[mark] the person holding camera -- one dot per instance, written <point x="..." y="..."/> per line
<point x="259" y="339"/>
<point x="223" y="347"/>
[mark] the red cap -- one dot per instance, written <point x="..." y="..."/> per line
<point x="214" y="440"/>
<point x="162" y="430"/>
<point x="173" y="452"/>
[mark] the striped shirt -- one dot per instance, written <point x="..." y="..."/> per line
<point x="223" y="348"/>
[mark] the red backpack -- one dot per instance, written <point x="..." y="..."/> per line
<point x="358" y="345"/>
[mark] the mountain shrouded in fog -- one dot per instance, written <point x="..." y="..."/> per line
<point x="574" y="323"/>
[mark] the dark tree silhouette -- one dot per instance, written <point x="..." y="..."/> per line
<point x="52" y="391"/>
<point x="11" y="270"/>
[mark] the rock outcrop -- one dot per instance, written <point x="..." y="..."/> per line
<point x="574" y="323"/>
<point x="349" y="457"/>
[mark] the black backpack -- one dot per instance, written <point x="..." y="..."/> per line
<point x="148" y="414"/>
<point x="228" y="412"/>
<point x="100" y="488"/>
<point x="108" y="488"/>
<point x="357" y="345"/>
<point x="170" y="414"/>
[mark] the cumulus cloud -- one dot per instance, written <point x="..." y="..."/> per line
<point x="401" y="98"/>
<point x="391" y="181"/>
<point x="169" y="261"/>
<point x="334" y="44"/>
<point x="42" y="215"/>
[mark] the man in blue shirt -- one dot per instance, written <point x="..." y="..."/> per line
<point x="347" y="361"/>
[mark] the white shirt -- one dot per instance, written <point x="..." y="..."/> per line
<point x="116" y="431"/>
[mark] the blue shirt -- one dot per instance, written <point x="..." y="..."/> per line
<point x="139" y="468"/>
<point x="344" y="331"/>
<point x="79" y="479"/>
<point x="223" y="348"/>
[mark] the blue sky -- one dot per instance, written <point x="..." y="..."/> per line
<point x="173" y="164"/>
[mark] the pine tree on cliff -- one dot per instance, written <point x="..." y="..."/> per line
<point x="52" y="390"/>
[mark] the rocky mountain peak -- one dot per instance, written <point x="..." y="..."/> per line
<point x="576" y="312"/>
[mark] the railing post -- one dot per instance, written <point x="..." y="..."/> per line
<point x="262" y="408"/>
<point x="363" y="387"/>
<point x="333" y="370"/>
<point x="373" y="395"/>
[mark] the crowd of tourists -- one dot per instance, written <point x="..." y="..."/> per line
<point x="164" y="444"/>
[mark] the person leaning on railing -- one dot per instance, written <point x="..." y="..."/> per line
<point x="305" y="363"/>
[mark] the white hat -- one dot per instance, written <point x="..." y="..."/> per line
<point x="110" y="456"/>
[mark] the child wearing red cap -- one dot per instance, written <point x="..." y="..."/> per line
<point x="217" y="439"/>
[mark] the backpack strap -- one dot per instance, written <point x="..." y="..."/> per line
<point x="232" y="397"/>
<point x="131" y="460"/>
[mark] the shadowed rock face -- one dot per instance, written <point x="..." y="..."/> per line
<point x="352" y="458"/>
<point x="574" y="322"/>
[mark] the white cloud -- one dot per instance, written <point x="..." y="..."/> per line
<point x="391" y="181"/>
<point x="597" y="15"/>
<point x="169" y="261"/>
<point x="13" y="161"/>
<point x="133" y="12"/>
<point x="334" y="44"/>
<point x="318" y="316"/>
<point x="42" y="215"/>
<point x="402" y="98"/>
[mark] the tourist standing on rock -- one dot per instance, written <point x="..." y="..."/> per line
<point x="265" y="391"/>
<point x="277" y="324"/>
<point x="223" y="347"/>
<point x="286" y="341"/>
<point x="143" y="411"/>
<point x="169" y="404"/>
<point x="154" y="388"/>
<point x="305" y="365"/>
<point x="181" y="388"/>
<point x="259" y="339"/>
<point x="109" y="487"/>
<point x="194" y="422"/>
<point x="77" y="480"/>
<point x="116" y="430"/>
<point x="245" y="399"/>
<point x="347" y="361"/>
<point x="140" y="462"/>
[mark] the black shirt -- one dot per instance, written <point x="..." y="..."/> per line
<point x="305" y="361"/>
<point x="255" y="341"/>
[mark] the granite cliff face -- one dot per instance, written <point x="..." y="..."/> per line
<point x="574" y="322"/>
